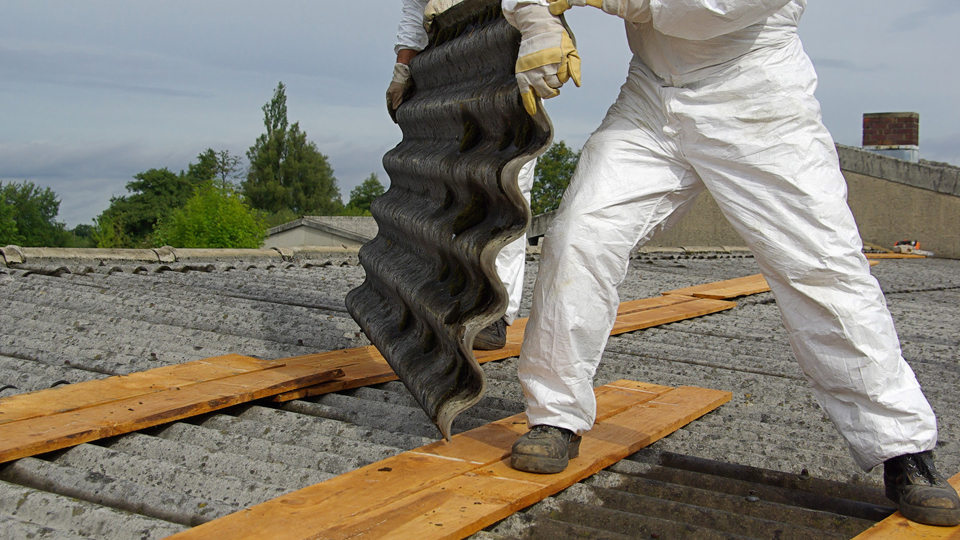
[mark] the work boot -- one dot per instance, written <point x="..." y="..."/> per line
<point x="545" y="449"/>
<point x="924" y="496"/>
<point x="492" y="337"/>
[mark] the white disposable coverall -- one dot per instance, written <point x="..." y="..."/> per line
<point x="512" y="258"/>
<point x="719" y="94"/>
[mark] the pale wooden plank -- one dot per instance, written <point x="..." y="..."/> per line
<point x="897" y="527"/>
<point x="451" y="489"/>
<point x="89" y="393"/>
<point x="372" y="368"/>
<point x="725" y="290"/>
<point x="668" y="314"/>
<point x="893" y="256"/>
<point x="37" y="435"/>
<point x="471" y="501"/>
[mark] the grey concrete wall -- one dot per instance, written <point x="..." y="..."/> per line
<point x="887" y="212"/>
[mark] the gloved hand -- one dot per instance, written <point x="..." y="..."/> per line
<point x="636" y="11"/>
<point x="397" y="90"/>
<point x="434" y="8"/>
<point x="548" y="57"/>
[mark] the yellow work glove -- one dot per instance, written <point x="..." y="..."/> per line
<point x="397" y="90"/>
<point x="548" y="57"/>
<point x="635" y="11"/>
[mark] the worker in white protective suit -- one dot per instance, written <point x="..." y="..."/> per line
<point x="719" y="95"/>
<point x="510" y="262"/>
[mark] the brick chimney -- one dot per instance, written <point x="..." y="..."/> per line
<point x="895" y="134"/>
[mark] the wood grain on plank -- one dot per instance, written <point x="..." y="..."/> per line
<point x="725" y="290"/>
<point x="371" y="368"/>
<point x="453" y="489"/>
<point x="897" y="527"/>
<point x="41" y="434"/>
<point x="88" y="393"/>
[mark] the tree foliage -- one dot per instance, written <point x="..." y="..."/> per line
<point x="130" y="220"/>
<point x="363" y="195"/>
<point x="214" y="217"/>
<point x="287" y="170"/>
<point x="153" y="195"/>
<point x="552" y="176"/>
<point x="28" y="216"/>
<point x="8" y="224"/>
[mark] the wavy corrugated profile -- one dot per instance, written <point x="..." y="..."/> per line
<point x="453" y="202"/>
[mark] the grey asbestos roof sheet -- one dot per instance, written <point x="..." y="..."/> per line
<point x="62" y="324"/>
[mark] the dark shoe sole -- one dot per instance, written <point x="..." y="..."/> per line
<point x="545" y="465"/>
<point x="479" y="345"/>
<point x="931" y="516"/>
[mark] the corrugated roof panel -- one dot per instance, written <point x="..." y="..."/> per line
<point x="453" y="202"/>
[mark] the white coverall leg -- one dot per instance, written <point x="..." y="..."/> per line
<point x="512" y="257"/>
<point x="750" y="133"/>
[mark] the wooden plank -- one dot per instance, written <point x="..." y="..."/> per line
<point x="894" y="256"/>
<point x="897" y="527"/>
<point x="371" y="368"/>
<point x="96" y="392"/>
<point x="377" y="484"/>
<point x="453" y="489"/>
<point x="695" y="307"/>
<point x="37" y="435"/>
<point x="725" y="290"/>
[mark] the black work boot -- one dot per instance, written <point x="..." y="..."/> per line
<point x="912" y="481"/>
<point x="545" y="449"/>
<point x="492" y="337"/>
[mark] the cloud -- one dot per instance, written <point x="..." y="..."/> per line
<point x="936" y="11"/>
<point x="847" y="65"/>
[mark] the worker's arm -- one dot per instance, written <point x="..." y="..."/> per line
<point x="547" y="56"/>
<point x="411" y="39"/>
<point x="686" y="19"/>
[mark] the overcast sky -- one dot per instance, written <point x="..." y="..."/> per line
<point x="95" y="91"/>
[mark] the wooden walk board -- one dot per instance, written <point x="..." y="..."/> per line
<point x="453" y="489"/>
<point x="371" y="368"/>
<point x="897" y="527"/>
<point x="725" y="290"/>
<point x="94" y="410"/>
<point x="82" y="412"/>
<point x="894" y="256"/>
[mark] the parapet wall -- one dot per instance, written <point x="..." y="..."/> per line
<point x="891" y="199"/>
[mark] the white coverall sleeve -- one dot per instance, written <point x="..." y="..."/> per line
<point x="706" y="19"/>
<point x="410" y="34"/>
<point x="509" y="7"/>
<point x="694" y="20"/>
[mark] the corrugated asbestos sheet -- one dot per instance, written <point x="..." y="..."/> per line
<point x="453" y="202"/>
<point x="66" y="322"/>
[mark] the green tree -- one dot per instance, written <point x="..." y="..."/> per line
<point x="287" y="170"/>
<point x="81" y="236"/>
<point x="153" y="195"/>
<point x="364" y="194"/>
<point x="34" y="212"/>
<point x="109" y="232"/>
<point x="552" y="176"/>
<point x="130" y="220"/>
<point x="215" y="217"/>
<point x="8" y="224"/>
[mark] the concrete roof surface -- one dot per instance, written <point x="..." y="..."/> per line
<point x="64" y="323"/>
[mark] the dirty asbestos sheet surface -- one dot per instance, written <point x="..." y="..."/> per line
<point x="456" y="488"/>
<point x="65" y="416"/>
<point x="431" y="281"/>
